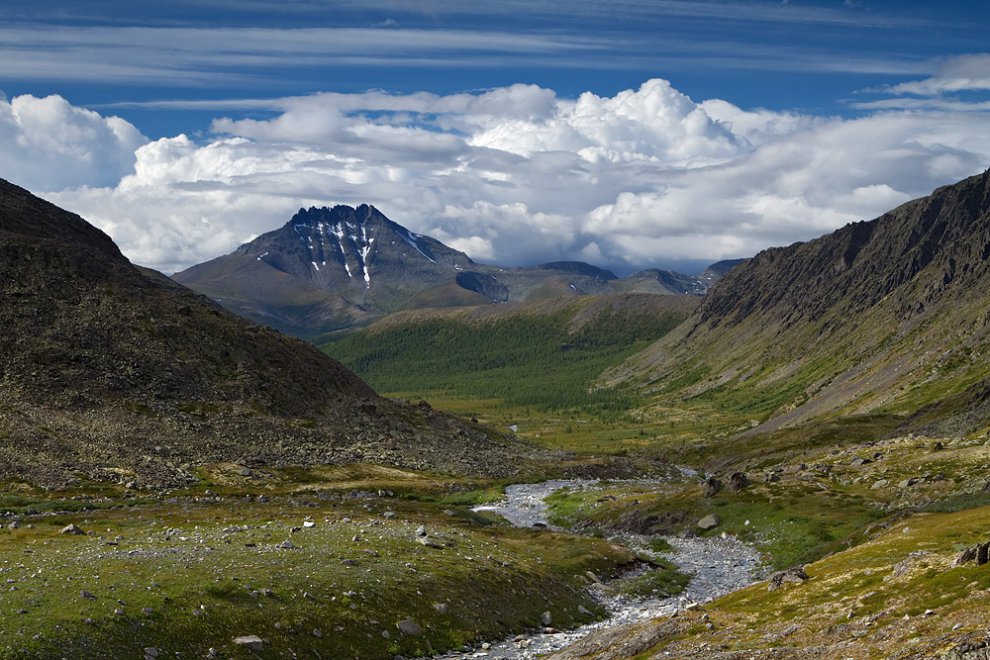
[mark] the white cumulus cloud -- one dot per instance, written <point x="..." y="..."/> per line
<point x="516" y="175"/>
<point x="47" y="143"/>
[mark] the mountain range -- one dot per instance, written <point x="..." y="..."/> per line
<point x="332" y="268"/>
<point x="111" y="371"/>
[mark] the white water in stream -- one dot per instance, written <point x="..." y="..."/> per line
<point x="718" y="566"/>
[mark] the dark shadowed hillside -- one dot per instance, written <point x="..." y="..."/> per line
<point x="111" y="371"/>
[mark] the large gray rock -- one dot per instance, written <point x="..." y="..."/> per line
<point x="710" y="521"/>
<point x="409" y="627"/>
<point x="250" y="642"/>
<point x="795" y="574"/>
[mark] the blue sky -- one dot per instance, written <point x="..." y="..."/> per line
<point x="465" y="119"/>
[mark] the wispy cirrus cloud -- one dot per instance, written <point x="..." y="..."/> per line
<point x="960" y="83"/>
<point x="955" y="74"/>
<point x="192" y="55"/>
<point x="765" y="11"/>
<point x="198" y="56"/>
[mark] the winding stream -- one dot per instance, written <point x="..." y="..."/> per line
<point x="718" y="566"/>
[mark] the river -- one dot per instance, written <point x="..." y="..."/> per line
<point x="717" y="565"/>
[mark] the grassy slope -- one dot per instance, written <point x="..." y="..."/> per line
<point x="530" y="365"/>
<point x="201" y="565"/>
<point x="869" y="601"/>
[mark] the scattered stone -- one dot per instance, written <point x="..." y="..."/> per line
<point x="877" y="485"/>
<point x="795" y="574"/>
<point x="87" y="595"/>
<point x="546" y="618"/>
<point x="712" y="486"/>
<point x="317" y="632"/>
<point x="859" y="461"/>
<point x="409" y="627"/>
<point x="71" y="529"/>
<point x="584" y="610"/>
<point x="250" y="642"/>
<point x="738" y="481"/>
<point x="929" y="612"/>
<point x="907" y="483"/>
<point x="594" y="578"/>
<point x="308" y="524"/>
<point x="440" y="607"/>
<point x="421" y="530"/>
<point x="967" y="555"/>
<point x="150" y="652"/>
<point x="429" y="543"/>
<point x="710" y="521"/>
<point x="286" y="545"/>
<point x="980" y="553"/>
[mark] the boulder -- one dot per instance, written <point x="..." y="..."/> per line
<point x="710" y="521"/>
<point x="71" y="529"/>
<point x="250" y="642"/>
<point x="980" y="553"/>
<point x="795" y="574"/>
<point x="712" y="486"/>
<point x="738" y="481"/>
<point x="409" y="627"/>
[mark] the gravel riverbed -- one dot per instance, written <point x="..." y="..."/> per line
<point x="718" y="566"/>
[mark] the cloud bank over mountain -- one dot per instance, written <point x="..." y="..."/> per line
<point x="515" y="174"/>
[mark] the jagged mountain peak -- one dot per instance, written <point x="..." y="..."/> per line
<point x="330" y="268"/>
<point x="337" y="213"/>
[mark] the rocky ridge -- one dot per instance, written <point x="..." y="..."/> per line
<point x="881" y="316"/>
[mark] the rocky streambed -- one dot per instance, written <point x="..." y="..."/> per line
<point x="717" y="566"/>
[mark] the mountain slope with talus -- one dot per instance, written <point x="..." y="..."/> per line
<point x="108" y="370"/>
<point x="888" y="317"/>
<point x="329" y="269"/>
